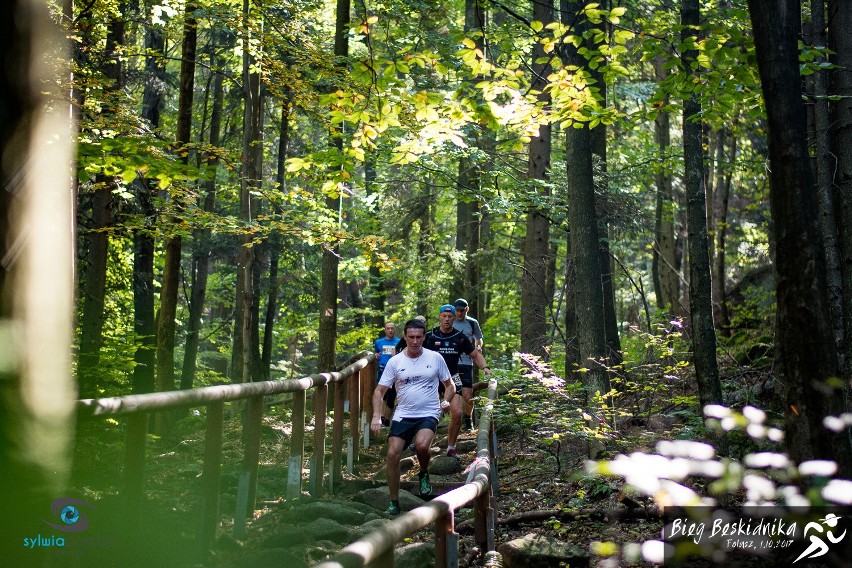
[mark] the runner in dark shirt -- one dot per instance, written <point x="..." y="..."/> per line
<point x="451" y="343"/>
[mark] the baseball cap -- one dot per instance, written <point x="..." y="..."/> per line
<point x="447" y="308"/>
<point x="460" y="303"/>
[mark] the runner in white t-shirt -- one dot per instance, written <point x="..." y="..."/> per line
<point x="416" y="373"/>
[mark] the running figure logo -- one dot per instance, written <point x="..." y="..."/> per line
<point x="818" y="547"/>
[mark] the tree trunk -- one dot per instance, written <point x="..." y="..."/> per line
<point x="598" y="141"/>
<point x="469" y="185"/>
<point x="716" y="179"/>
<point x="585" y="246"/>
<point x="331" y="257"/>
<point x="664" y="263"/>
<point x="535" y="303"/>
<point x="377" y="291"/>
<point x="824" y="162"/>
<point x="572" y="351"/>
<point x="144" y="323"/>
<point x="425" y="236"/>
<point x="97" y="237"/>
<point x="36" y="275"/>
<point x="201" y="255"/>
<point x="171" y="265"/>
<point x="275" y="244"/>
<point x="723" y="196"/>
<point x="466" y="183"/>
<point x="840" y="43"/>
<point x="700" y="296"/>
<point x="804" y="332"/>
<point x="241" y="357"/>
<point x="585" y="249"/>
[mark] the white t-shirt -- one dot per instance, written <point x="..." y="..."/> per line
<point x="416" y="380"/>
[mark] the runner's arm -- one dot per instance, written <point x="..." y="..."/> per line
<point x="449" y="393"/>
<point x="378" y="395"/>
<point x="479" y="360"/>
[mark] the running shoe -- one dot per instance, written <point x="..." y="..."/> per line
<point x="425" y="486"/>
<point x="468" y="423"/>
<point x="393" y="507"/>
<point x="452" y="453"/>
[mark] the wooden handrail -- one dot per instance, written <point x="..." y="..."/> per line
<point x="157" y="401"/>
<point x="359" y="370"/>
<point x="377" y="547"/>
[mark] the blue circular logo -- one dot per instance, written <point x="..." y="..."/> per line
<point x="69" y="515"/>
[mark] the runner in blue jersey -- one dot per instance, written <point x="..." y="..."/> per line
<point x="385" y="348"/>
<point x="416" y="374"/>
<point x="452" y="344"/>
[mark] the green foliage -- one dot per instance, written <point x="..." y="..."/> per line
<point x="651" y="381"/>
<point x="417" y="96"/>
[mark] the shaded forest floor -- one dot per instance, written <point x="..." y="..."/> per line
<point x="541" y="491"/>
<point x="543" y="488"/>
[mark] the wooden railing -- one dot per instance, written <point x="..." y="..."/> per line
<point x="377" y="548"/>
<point x="139" y="407"/>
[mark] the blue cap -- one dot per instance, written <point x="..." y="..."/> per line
<point x="447" y="308"/>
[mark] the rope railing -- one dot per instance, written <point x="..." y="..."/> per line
<point x="138" y="407"/>
<point x="376" y="549"/>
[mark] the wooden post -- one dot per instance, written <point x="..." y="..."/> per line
<point x="491" y="544"/>
<point x="336" y="473"/>
<point x="384" y="560"/>
<point x="297" y="446"/>
<point x="354" y="418"/>
<point x="319" y="405"/>
<point x="492" y="452"/>
<point x="446" y="542"/>
<point x="481" y="511"/>
<point x="367" y="386"/>
<point x="210" y="477"/>
<point x="248" y="475"/>
<point x="254" y="424"/>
